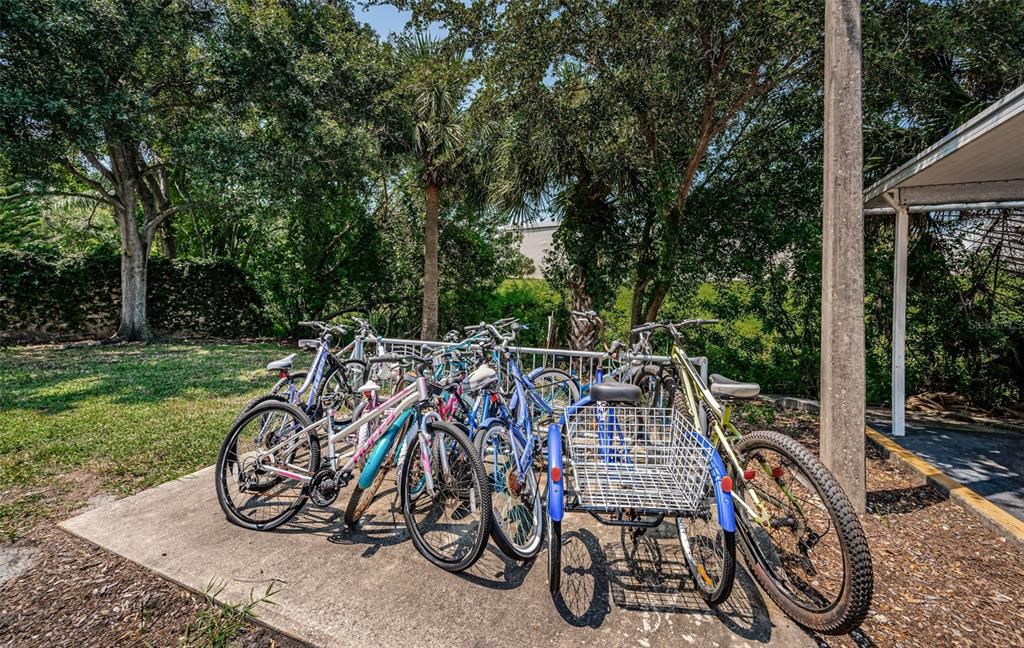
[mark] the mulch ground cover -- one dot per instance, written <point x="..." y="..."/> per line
<point x="942" y="578"/>
<point x="75" y="594"/>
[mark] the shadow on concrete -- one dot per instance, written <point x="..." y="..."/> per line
<point x="649" y="573"/>
<point x="582" y="599"/>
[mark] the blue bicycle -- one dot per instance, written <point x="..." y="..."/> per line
<point x="631" y="466"/>
<point x="509" y="445"/>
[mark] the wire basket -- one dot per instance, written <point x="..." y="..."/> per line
<point x="648" y="459"/>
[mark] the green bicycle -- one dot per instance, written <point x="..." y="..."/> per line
<point x="799" y="531"/>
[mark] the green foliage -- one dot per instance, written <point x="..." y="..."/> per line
<point x="219" y="623"/>
<point x="76" y="297"/>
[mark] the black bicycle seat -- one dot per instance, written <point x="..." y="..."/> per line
<point x="616" y="392"/>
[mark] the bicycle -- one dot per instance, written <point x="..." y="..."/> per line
<point x="269" y="465"/>
<point x="632" y="466"/>
<point x="327" y="381"/>
<point x="787" y="504"/>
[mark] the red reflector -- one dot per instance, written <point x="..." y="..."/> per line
<point x="556" y="474"/>
<point x="281" y="374"/>
<point x="727" y="484"/>
<point x="777" y="472"/>
<point x="749" y="474"/>
<point x="495" y="398"/>
<point x="367" y="394"/>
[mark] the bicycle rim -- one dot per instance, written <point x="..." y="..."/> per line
<point x="515" y="503"/>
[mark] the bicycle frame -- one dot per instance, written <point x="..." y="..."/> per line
<point x="520" y="425"/>
<point x="390" y="410"/>
<point x="720" y="430"/>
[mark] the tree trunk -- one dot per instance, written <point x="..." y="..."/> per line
<point x="134" y="268"/>
<point x="582" y="335"/>
<point x="168" y="242"/>
<point x="428" y="330"/>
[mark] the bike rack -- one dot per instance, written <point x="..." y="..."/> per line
<point x="581" y="364"/>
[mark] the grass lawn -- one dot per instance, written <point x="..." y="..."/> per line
<point x="118" y="418"/>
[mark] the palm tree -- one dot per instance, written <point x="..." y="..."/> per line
<point x="434" y="89"/>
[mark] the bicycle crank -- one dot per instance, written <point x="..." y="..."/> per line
<point x="325" y="486"/>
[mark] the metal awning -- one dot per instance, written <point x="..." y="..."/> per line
<point x="980" y="165"/>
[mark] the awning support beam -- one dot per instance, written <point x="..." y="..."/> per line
<point x="899" y="312"/>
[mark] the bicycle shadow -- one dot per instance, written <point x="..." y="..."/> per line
<point x="582" y="599"/>
<point x="649" y="575"/>
<point x="380" y="526"/>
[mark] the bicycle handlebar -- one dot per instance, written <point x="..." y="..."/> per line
<point x="673" y="327"/>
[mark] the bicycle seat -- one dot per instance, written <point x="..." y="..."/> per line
<point x="483" y="377"/>
<point x="615" y="392"/>
<point x="731" y="388"/>
<point x="284" y="364"/>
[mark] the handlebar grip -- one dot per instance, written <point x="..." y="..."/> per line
<point x="310" y="324"/>
<point x="650" y="326"/>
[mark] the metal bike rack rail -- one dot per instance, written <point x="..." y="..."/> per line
<point x="580" y="364"/>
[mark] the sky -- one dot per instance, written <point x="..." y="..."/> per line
<point x="383" y="18"/>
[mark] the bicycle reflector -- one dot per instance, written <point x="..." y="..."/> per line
<point x="777" y="472"/>
<point x="727" y="484"/>
<point x="282" y="374"/>
<point x="556" y="474"/>
<point x="495" y="398"/>
<point x="749" y="474"/>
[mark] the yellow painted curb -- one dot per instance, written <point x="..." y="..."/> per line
<point x="993" y="516"/>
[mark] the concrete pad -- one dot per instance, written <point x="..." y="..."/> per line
<point x="370" y="587"/>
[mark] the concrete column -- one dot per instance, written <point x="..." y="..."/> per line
<point x="842" y="254"/>
<point x="899" y="321"/>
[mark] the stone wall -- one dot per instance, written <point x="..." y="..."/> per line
<point x="49" y="300"/>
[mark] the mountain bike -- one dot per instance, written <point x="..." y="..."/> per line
<point x="798" y="530"/>
<point x="269" y="465"/>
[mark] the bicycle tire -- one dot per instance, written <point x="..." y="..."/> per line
<point x="253" y="402"/>
<point x="554" y="555"/>
<point x="500" y="484"/>
<point x="563" y="378"/>
<point x="361" y="498"/>
<point x="344" y="397"/>
<point x="232" y="512"/>
<point x="651" y="381"/>
<point x="717" y="591"/>
<point x="467" y="454"/>
<point x="850" y="608"/>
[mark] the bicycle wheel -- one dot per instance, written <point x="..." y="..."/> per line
<point x="656" y="390"/>
<point x="339" y="389"/>
<point x="556" y="388"/>
<point x="517" y="527"/>
<point x="810" y="555"/>
<point x="710" y="550"/>
<point x="250" y="495"/>
<point x="450" y="525"/>
<point x="361" y="498"/>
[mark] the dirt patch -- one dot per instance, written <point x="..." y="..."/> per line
<point x="941" y="577"/>
<point x="62" y="591"/>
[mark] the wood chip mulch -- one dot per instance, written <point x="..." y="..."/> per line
<point x="942" y="578"/>
<point x="79" y="595"/>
